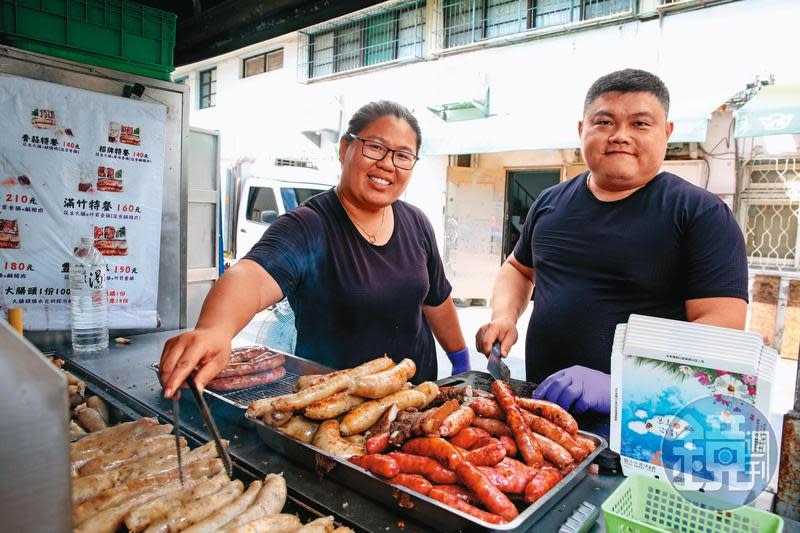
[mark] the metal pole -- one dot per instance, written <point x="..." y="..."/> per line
<point x="787" y="501"/>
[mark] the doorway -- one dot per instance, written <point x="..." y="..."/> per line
<point x="522" y="189"/>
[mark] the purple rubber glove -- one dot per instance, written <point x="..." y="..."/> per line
<point x="460" y="361"/>
<point x="586" y="388"/>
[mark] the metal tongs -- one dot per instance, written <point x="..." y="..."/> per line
<point x="212" y="427"/>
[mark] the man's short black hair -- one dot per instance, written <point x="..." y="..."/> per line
<point x="630" y="80"/>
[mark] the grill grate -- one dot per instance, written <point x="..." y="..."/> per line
<point x="244" y="397"/>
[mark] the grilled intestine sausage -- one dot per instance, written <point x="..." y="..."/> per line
<point x="90" y="419"/>
<point x="386" y="382"/>
<point x="551" y="411"/>
<point x="333" y="406"/>
<point x="270" y="500"/>
<point x="329" y="439"/>
<point x="228" y="512"/>
<point x="280" y="523"/>
<point x="96" y="403"/>
<point x="366" y="414"/>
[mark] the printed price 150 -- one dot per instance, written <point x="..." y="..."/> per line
<point x="123" y="269"/>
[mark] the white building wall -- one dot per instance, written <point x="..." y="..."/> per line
<point x="704" y="55"/>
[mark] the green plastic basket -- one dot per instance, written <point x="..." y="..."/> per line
<point x="108" y="33"/>
<point x="645" y="505"/>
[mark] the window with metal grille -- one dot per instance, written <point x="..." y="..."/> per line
<point x="770" y="211"/>
<point x="372" y="39"/>
<point x="469" y="21"/>
<point x="208" y="88"/>
<point x="262" y="63"/>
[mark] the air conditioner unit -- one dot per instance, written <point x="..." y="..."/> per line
<point x="682" y="151"/>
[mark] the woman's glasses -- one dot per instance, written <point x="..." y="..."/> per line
<point x="377" y="151"/>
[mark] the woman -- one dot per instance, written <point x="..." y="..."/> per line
<point x="360" y="269"/>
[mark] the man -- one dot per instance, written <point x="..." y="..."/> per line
<point x="621" y="238"/>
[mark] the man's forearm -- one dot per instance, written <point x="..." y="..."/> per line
<point x="511" y="294"/>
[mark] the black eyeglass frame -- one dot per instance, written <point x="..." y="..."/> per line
<point x="353" y="136"/>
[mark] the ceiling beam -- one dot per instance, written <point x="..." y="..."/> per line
<point x="234" y="24"/>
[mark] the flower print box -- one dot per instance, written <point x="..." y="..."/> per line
<point x="651" y="399"/>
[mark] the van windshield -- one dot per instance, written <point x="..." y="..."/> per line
<point x="294" y="196"/>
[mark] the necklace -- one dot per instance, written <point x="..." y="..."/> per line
<point x="371" y="237"/>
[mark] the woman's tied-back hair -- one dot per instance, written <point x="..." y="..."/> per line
<point x="372" y="111"/>
<point x="630" y="80"/>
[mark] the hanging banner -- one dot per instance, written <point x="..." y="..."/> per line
<point x="76" y="163"/>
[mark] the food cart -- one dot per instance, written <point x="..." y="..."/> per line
<point x="124" y="377"/>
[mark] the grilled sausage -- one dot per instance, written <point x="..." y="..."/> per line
<point x="366" y="414"/>
<point x="510" y="445"/>
<point x="329" y="440"/>
<point x="193" y="512"/>
<point x="377" y="444"/>
<point x="509" y="475"/>
<point x="380" y="465"/>
<point x="585" y="442"/>
<point x="528" y="447"/>
<point x="300" y="428"/>
<point x="430" y="390"/>
<point x="490" y="496"/>
<point x="551" y="411"/>
<point x="495" y="428"/>
<point x="460" y="492"/>
<point x="333" y="406"/>
<point x="488" y="455"/>
<point x="238" y="382"/>
<point x="468" y="437"/>
<point x="108" y="437"/>
<point x="414" y="482"/>
<point x="431" y="424"/>
<point x="455" y="502"/>
<point x="486" y="407"/>
<point x="544" y="427"/>
<point x="384" y="423"/>
<point x="243" y="354"/>
<point x="544" y="480"/>
<point x="304" y="398"/>
<point x="456" y="421"/>
<point x="386" y="382"/>
<point x="260" y="364"/>
<point x="554" y="452"/>
<point x="435" y="448"/>
<point x="425" y="466"/>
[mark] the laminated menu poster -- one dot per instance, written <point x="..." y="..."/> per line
<point x="76" y="163"/>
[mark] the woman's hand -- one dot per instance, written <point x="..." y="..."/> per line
<point x="208" y="350"/>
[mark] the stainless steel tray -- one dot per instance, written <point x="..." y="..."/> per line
<point x="295" y="367"/>
<point x="407" y="501"/>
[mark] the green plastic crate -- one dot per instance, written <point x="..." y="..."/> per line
<point x="645" y="505"/>
<point x="108" y="33"/>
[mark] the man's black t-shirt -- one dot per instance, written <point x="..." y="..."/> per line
<point x="598" y="262"/>
<point x="353" y="300"/>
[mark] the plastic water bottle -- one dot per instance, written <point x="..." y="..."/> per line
<point x="88" y="299"/>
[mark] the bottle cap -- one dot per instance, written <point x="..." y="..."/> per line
<point x="87" y="240"/>
<point x="15" y="318"/>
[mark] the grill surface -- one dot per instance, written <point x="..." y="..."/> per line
<point x="295" y="367"/>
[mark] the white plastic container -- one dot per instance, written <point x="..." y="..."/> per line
<point x="88" y="298"/>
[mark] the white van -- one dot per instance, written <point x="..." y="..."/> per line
<point x="262" y="201"/>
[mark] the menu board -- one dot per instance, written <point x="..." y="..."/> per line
<point x="76" y="163"/>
